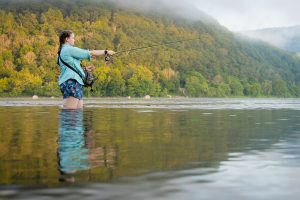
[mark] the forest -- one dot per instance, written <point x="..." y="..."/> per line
<point x="213" y="62"/>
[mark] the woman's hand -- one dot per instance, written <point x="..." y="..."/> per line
<point x="90" y="68"/>
<point x="110" y="52"/>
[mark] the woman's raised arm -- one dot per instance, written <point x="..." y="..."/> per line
<point x="101" y="52"/>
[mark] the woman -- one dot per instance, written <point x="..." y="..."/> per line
<point x="69" y="81"/>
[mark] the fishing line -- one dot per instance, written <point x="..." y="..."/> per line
<point x="108" y="57"/>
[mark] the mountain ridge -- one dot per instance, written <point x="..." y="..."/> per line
<point x="218" y="64"/>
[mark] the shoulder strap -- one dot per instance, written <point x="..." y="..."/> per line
<point x="72" y="68"/>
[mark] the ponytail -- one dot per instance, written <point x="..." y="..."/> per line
<point x="62" y="38"/>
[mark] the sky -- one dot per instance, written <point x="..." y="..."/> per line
<point x="241" y="15"/>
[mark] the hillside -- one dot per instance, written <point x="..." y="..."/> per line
<point x="215" y="64"/>
<point x="287" y="38"/>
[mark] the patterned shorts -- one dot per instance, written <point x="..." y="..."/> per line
<point x="71" y="88"/>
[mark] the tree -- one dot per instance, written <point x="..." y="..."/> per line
<point x="141" y="83"/>
<point x="267" y="88"/>
<point x="169" y="80"/>
<point x="280" y="88"/>
<point x="196" y="85"/>
<point x="219" y="90"/>
<point x="252" y="89"/>
<point x="116" y="85"/>
<point x="235" y="86"/>
<point x="228" y="65"/>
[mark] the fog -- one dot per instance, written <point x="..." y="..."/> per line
<point x="186" y="9"/>
<point x="284" y="38"/>
<point x="236" y="15"/>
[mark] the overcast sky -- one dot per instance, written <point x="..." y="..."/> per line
<point x="238" y="15"/>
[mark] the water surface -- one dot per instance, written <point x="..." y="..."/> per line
<point x="150" y="149"/>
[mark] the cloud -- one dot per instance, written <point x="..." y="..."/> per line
<point x="185" y="9"/>
<point x="284" y="38"/>
<point x="236" y="15"/>
<point x="247" y="14"/>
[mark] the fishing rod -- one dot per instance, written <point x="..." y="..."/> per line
<point x="108" y="57"/>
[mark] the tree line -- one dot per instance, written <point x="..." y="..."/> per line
<point x="216" y="64"/>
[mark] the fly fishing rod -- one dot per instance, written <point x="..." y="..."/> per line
<point x="108" y="57"/>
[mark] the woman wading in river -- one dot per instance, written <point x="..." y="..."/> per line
<point x="72" y="74"/>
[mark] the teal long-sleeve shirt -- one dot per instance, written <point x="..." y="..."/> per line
<point x="72" y="56"/>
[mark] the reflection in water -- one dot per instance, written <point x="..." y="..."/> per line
<point x="150" y="153"/>
<point x="77" y="150"/>
<point x="72" y="153"/>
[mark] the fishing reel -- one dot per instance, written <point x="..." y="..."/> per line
<point x="107" y="57"/>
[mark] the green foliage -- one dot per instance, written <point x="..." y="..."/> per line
<point x="217" y="64"/>
<point x="219" y="90"/>
<point x="116" y="87"/>
<point x="236" y="88"/>
<point x="141" y="83"/>
<point x="280" y="88"/>
<point x="196" y="85"/>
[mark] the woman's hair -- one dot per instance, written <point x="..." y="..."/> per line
<point x="62" y="38"/>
